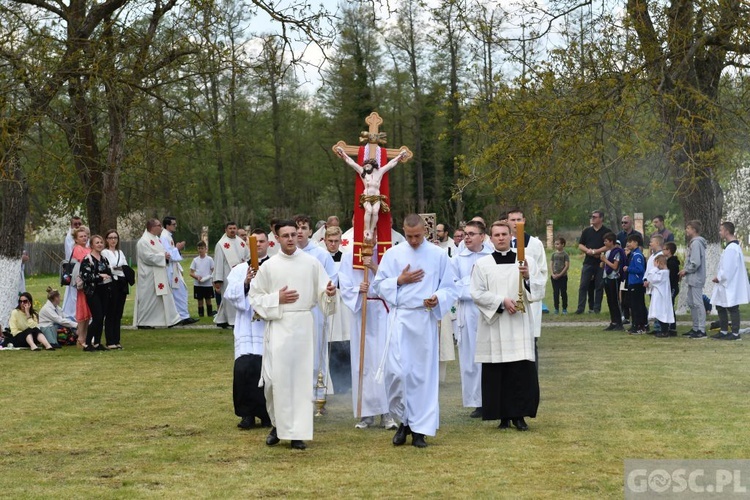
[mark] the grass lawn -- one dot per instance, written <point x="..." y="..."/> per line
<point x="156" y="420"/>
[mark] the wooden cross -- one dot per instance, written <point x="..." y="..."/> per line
<point x="371" y="136"/>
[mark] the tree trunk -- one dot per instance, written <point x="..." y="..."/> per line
<point x="15" y="205"/>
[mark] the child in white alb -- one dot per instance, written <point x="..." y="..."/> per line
<point x="660" y="308"/>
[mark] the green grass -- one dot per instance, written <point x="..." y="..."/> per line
<point x="156" y="420"/>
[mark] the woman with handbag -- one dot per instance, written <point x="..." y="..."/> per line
<point x="97" y="277"/>
<point x="83" y="313"/>
<point x="118" y="289"/>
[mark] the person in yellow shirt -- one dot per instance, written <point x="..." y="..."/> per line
<point x="24" y="326"/>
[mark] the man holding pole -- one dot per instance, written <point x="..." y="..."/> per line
<point x="368" y="395"/>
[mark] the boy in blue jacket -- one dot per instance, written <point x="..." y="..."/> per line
<point x="636" y="291"/>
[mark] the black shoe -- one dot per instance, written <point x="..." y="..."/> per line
<point x="699" y="335"/>
<point x="89" y="348"/>
<point x="618" y="328"/>
<point x="265" y="423"/>
<point x="718" y="335"/>
<point x="212" y="314"/>
<point x="188" y="321"/>
<point x="626" y="321"/>
<point x="101" y="347"/>
<point x="688" y="333"/>
<point x="272" y="438"/>
<point x="476" y="413"/>
<point x="247" y="423"/>
<point x="520" y="424"/>
<point x="661" y="335"/>
<point x="222" y="325"/>
<point x="50" y="348"/>
<point x="146" y="328"/>
<point x="400" y="437"/>
<point x="579" y="312"/>
<point x="298" y="445"/>
<point x="417" y="440"/>
<point x="730" y="336"/>
<point x="609" y="328"/>
<point x="672" y="333"/>
<point x="504" y="423"/>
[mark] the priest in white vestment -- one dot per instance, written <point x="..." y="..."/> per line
<point x="284" y="292"/>
<point x="154" y="303"/>
<point x="732" y="287"/>
<point x="229" y="251"/>
<point x="416" y="280"/>
<point x="322" y="325"/>
<point x="249" y="328"/>
<point x="505" y="335"/>
<point x="174" y="269"/>
<point x="353" y="293"/>
<point x="467" y="316"/>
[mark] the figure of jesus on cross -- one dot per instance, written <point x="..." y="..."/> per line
<point x="371" y="200"/>
<point x="372" y="169"/>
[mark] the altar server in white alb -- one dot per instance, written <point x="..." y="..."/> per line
<point x="732" y="287"/>
<point x="416" y="280"/>
<point x="154" y="303"/>
<point x="284" y="292"/>
<point x="505" y="335"/>
<point x="467" y="316"/>
<point x="174" y="269"/>
<point x="354" y="292"/>
<point x="249" y="401"/>
<point x="660" y="307"/>
<point x="229" y="251"/>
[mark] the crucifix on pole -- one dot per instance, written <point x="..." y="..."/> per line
<point x="372" y="213"/>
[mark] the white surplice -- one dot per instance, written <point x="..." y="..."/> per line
<point x="374" y="400"/>
<point x="467" y="318"/>
<point x="248" y="332"/>
<point x="154" y="303"/>
<point x="504" y="337"/>
<point x="288" y="349"/>
<point x="661" y="296"/>
<point x="411" y="364"/>
<point x="733" y="287"/>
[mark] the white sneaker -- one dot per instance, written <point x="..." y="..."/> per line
<point x="387" y="422"/>
<point x="364" y="423"/>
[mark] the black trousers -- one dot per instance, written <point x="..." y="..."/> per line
<point x="249" y="399"/>
<point x="115" y="307"/>
<point x="729" y="312"/>
<point x="509" y="390"/>
<point x="98" y="304"/>
<point x="560" y="289"/>
<point x="638" y="306"/>
<point x="591" y="287"/>
<point x="612" y="288"/>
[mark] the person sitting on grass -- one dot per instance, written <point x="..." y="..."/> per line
<point x="51" y="318"/>
<point x="24" y="327"/>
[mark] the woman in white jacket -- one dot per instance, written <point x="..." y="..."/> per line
<point x="51" y="317"/>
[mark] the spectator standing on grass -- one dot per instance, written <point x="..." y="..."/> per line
<point x="665" y="233"/>
<point x="97" y="278"/>
<point x="636" y="290"/>
<point x="202" y="270"/>
<point x="118" y="291"/>
<point x="82" y="311"/>
<point x="560" y="263"/>
<point x="732" y="286"/>
<point x="71" y="293"/>
<point x="694" y="274"/>
<point x="626" y="229"/>
<point x="591" y="244"/>
<point x="673" y="264"/>
<point x="612" y="260"/>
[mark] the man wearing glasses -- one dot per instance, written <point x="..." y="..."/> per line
<point x="626" y="223"/>
<point x="591" y="244"/>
